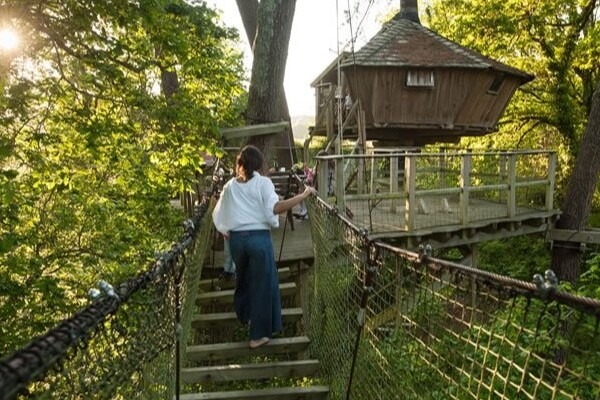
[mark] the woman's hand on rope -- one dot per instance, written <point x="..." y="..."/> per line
<point x="308" y="190"/>
<point x="287" y="204"/>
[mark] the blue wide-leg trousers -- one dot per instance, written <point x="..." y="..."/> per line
<point x="256" y="299"/>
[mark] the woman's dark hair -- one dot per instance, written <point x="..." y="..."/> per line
<point x="250" y="159"/>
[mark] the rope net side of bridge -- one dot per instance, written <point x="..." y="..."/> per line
<point x="434" y="329"/>
<point x="123" y="345"/>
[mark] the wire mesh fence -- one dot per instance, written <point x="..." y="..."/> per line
<point x="127" y="343"/>
<point x="432" y="329"/>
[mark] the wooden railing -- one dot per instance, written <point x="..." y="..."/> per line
<point x="424" y="186"/>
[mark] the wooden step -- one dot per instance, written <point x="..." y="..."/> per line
<point x="208" y="285"/>
<point x="236" y="372"/>
<point x="219" y="320"/>
<point x="226" y="296"/>
<point x="224" y="351"/>
<point x="295" y="393"/>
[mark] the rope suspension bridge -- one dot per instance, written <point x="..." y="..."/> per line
<point x="383" y="323"/>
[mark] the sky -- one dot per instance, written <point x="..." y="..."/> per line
<point x="313" y="42"/>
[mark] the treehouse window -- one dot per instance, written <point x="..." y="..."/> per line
<point x="496" y="84"/>
<point x="419" y="78"/>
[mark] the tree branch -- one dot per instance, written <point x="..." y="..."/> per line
<point x="249" y="13"/>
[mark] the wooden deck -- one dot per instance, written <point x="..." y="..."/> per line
<point x="446" y="199"/>
<point x="297" y="243"/>
<point x="442" y="227"/>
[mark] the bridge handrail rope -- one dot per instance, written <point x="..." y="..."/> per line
<point x="100" y="337"/>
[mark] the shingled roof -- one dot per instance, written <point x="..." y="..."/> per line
<point x="404" y="43"/>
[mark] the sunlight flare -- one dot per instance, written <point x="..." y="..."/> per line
<point x="9" y="40"/>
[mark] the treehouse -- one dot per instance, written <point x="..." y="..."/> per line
<point x="413" y="87"/>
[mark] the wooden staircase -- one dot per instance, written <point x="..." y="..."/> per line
<point x="224" y="367"/>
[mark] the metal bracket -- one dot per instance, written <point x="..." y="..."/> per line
<point x="425" y="251"/>
<point x="546" y="284"/>
<point x="105" y="289"/>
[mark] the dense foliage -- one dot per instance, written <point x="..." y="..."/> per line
<point x="557" y="41"/>
<point x="95" y="140"/>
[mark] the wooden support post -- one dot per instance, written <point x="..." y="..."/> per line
<point x="373" y="170"/>
<point x="442" y="170"/>
<point x="502" y="173"/>
<point x="511" y="201"/>
<point x="465" y="186"/>
<point x="329" y="121"/>
<point x="393" y="181"/>
<point x="323" y="177"/>
<point x="360" y="187"/>
<point x="551" y="177"/>
<point x="360" y="183"/>
<point x="363" y="127"/>
<point x="410" y="183"/>
<point x="339" y="181"/>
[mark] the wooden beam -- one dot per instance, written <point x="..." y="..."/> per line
<point x="227" y="319"/>
<point x="410" y="185"/>
<point x="566" y="235"/>
<point x="288" y="393"/>
<point x="210" y="285"/>
<point x="236" y="372"/>
<point x="465" y="187"/>
<point x="393" y="181"/>
<point x="226" y="296"/>
<point x="254" y="130"/>
<point x="226" y="351"/>
<point x="511" y="202"/>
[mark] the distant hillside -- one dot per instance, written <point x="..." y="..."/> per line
<point x="300" y="126"/>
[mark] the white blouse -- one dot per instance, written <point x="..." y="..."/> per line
<point x="246" y="206"/>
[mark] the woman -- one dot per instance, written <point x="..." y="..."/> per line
<point x="247" y="209"/>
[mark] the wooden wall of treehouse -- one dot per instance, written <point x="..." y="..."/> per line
<point x="461" y="102"/>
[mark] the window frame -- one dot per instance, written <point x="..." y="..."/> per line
<point x="497" y="83"/>
<point x="420" y="78"/>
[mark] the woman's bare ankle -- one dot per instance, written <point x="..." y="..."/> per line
<point x="259" y="342"/>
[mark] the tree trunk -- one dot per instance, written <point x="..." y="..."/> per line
<point x="249" y="13"/>
<point x="169" y="82"/>
<point x="266" y="99"/>
<point x="566" y="256"/>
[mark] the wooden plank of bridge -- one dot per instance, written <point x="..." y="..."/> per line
<point x="224" y="351"/>
<point x="236" y="372"/>
<point x="226" y="296"/>
<point x="295" y="393"/>
<point x="218" y="320"/>
<point x="207" y="285"/>
<point x="297" y="244"/>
